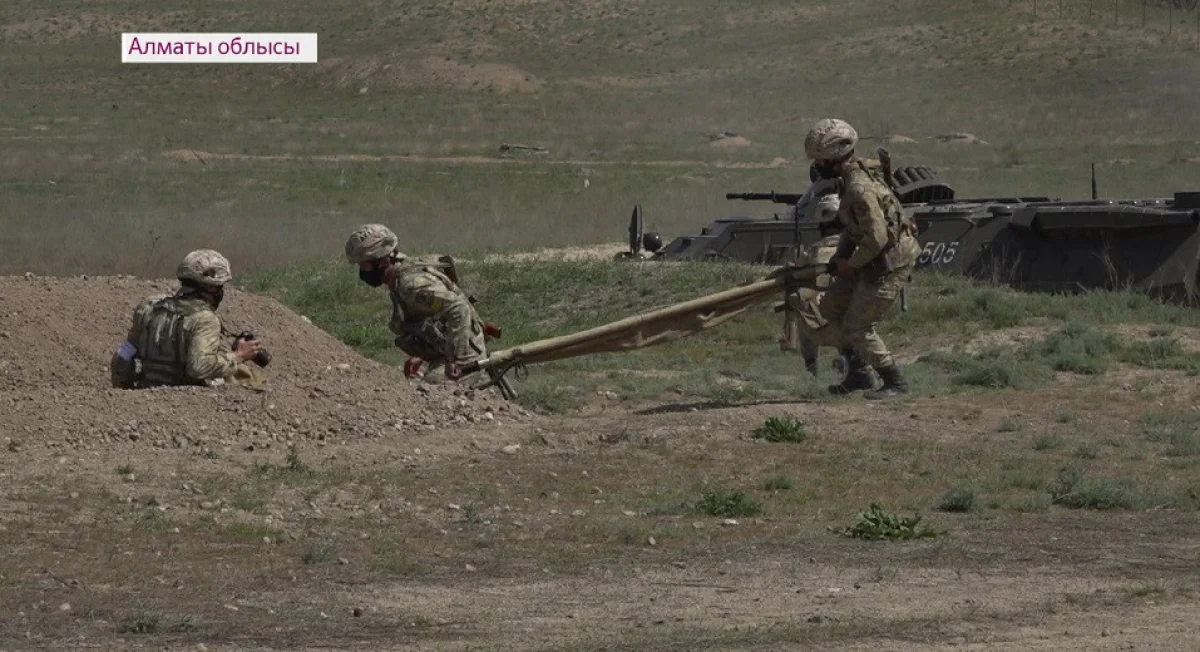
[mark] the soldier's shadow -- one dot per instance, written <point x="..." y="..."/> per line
<point x="701" y="406"/>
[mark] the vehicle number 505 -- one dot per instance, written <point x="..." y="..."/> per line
<point x="937" y="253"/>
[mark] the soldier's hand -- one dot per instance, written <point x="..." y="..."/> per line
<point x="247" y="349"/>
<point x="453" y="371"/>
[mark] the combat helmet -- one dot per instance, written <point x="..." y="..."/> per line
<point x="830" y="138"/>
<point x="370" y="242"/>
<point x="204" y="266"/>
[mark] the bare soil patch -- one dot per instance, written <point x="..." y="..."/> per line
<point x="68" y="26"/>
<point x="57" y="336"/>
<point x="437" y="72"/>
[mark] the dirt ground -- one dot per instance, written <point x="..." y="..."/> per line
<point x="348" y="508"/>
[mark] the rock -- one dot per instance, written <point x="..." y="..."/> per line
<point x="729" y="521"/>
<point x="511" y="449"/>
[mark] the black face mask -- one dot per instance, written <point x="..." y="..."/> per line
<point x="372" y="277"/>
<point x="826" y="171"/>
<point x="217" y="296"/>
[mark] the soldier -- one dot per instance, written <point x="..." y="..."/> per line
<point x="432" y="318"/>
<point x="875" y="258"/>
<point x="176" y="340"/>
<point x="805" y="301"/>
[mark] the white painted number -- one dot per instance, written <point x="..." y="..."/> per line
<point x="937" y="253"/>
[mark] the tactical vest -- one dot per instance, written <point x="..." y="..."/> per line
<point x="897" y="223"/>
<point x="161" y="343"/>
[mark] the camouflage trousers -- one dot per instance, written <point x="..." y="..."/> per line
<point x="846" y="315"/>
<point x="802" y="305"/>
<point x="427" y="340"/>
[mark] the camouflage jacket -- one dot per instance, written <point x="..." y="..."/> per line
<point x="873" y="220"/>
<point x="422" y="294"/>
<point x="177" y="341"/>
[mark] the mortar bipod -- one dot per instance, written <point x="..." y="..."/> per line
<point x="498" y="375"/>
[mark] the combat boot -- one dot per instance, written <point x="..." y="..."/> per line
<point x="894" y="384"/>
<point x="812" y="357"/>
<point x="858" y="375"/>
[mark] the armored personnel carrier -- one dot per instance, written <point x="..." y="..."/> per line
<point x="1028" y="242"/>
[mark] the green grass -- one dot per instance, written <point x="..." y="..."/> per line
<point x="781" y="429"/>
<point x="738" y="362"/>
<point x="877" y="524"/>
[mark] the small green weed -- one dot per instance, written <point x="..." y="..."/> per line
<point x="293" y="466"/>
<point x="875" y="524"/>
<point x="1074" y="490"/>
<point x="778" y="483"/>
<point x="1046" y="442"/>
<point x="471" y="514"/>
<point x="147" y="622"/>
<point x="959" y="499"/>
<point x="728" y="504"/>
<point x="1077" y="348"/>
<point x="781" y="429"/>
<point x="316" y="553"/>
<point x="1179" y="430"/>
<point x="1009" y="424"/>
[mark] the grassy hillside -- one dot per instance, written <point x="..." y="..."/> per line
<point x="110" y="167"/>
<point x="958" y="335"/>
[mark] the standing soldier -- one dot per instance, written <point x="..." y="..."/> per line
<point x="804" y="301"/>
<point x="432" y="318"/>
<point x="874" y="260"/>
<point x="176" y="340"/>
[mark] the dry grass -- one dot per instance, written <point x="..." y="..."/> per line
<point x="409" y="101"/>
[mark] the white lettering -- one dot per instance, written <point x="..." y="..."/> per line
<point x="219" y="47"/>
<point x="937" y="253"/>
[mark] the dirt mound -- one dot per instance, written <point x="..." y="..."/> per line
<point x="728" y="140"/>
<point x="57" y="336"/>
<point x="961" y="139"/>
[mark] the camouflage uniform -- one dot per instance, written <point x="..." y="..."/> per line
<point x="884" y="254"/>
<point x="176" y="340"/>
<point x="432" y="317"/>
<point x="854" y="305"/>
<point x="801" y="303"/>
